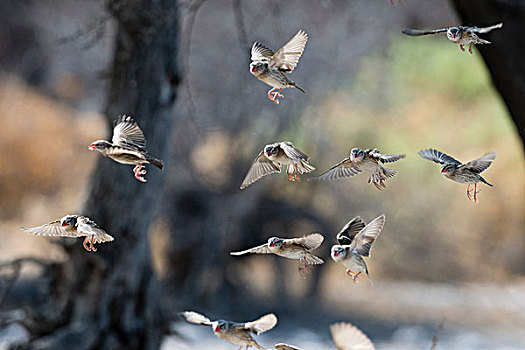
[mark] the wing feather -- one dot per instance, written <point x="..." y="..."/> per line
<point x="292" y="152"/>
<point x="262" y="325"/>
<point x="53" y="229"/>
<point x="262" y="249"/>
<point x="283" y="346"/>
<point x="350" y="230"/>
<point x="348" y="337"/>
<point x="480" y="164"/>
<point x="261" y="166"/>
<point x="437" y="156"/>
<point x="261" y="53"/>
<point x="417" y="32"/>
<point x="128" y="134"/>
<point x="387" y="158"/>
<point x="344" y="168"/>
<point x="362" y="242"/>
<point x="195" y="318"/>
<point x="309" y="242"/>
<point x="287" y="57"/>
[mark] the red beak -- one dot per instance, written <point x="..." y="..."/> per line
<point x="92" y="147"/>
<point x="271" y="244"/>
<point x="254" y="69"/>
<point x="444" y="171"/>
<point x="64" y="224"/>
<point x="216" y="330"/>
<point x="336" y="254"/>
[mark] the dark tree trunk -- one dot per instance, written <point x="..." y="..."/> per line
<point x="506" y="56"/>
<point x="110" y="299"/>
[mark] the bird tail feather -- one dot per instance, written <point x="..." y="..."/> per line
<point x="485" y="182"/>
<point x="313" y="260"/>
<point x="154" y="161"/>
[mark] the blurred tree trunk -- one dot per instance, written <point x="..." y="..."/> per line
<point x="111" y="299"/>
<point x="506" y="56"/>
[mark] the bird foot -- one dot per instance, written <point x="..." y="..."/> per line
<point x="272" y="95"/>
<point x="350" y="273"/>
<point x="461" y="47"/>
<point x="470" y="48"/>
<point x="355" y="277"/>
<point x="305" y="270"/>
<point x="92" y="244"/>
<point x="140" y="170"/>
<point x="85" y="244"/>
<point x="471" y="193"/>
<point x="297" y="178"/>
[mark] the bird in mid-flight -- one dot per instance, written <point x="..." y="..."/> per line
<point x="354" y="242"/>
<point x="128" y="146"/>
<point x="272" y="67"/>
<point x="74" y="226"/>
<point x="272" y="157"/>
<point x="462" y="35"/>
<point x="294" y="248"/>
<point x="363" y="161"/>
<point x="468" y="173"/>
<point x="233" y="332"/>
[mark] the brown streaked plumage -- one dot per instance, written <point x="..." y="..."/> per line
<point x="271" y="67"/>
<point x="462" y="35"/>
<point x="355" y="242"/>
<point x="367" y="161"/>
<point x="272" y="157"/>
<point x="234" y="332"/>
<point x="128" y="146"/>
<point x="468" y="173"/>
<point x="294" y="248"/>
<point x="73" y="226"/>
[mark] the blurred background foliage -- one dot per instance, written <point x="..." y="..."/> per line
<point x="367" y="86"/>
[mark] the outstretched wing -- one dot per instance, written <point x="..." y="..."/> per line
<point x="480" y="164"/>
<point x="386" y="158"/>
<point x="292" y="152"/>
<point x="486" y="29"/>
<point x="53" y="229"/>
<point x="195" y="318"/>
<point x="364" y="239"/>
<point x="417" y="32"/>
<point x="350" y="230"/>
<point x="287" y="57"/>
<point x="437" y="156"/>
<point x="128" y="134"/>
<point x="348" y="337"/>
<point x="283" y="346"/>
<point x="261" y="53"/>
<point x="261" y="166"/>
<point x="262" y="325"/>
<point x="262" y="249"/>
<point x="309" y="242"/>
<point x="345" y="168"/>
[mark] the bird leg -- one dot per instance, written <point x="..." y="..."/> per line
<point x="461" y="47"/>
<point x="140" y="170"/>
<point x="470" y="191"/>
<point x="350" y="273"/>
<point x="289" y="171"/>
<point x="305" y="269"/>
<point x="470" y="48"/>
<point x="272" y="95"/>
<point x="92" y="244"/>
<point x="85" y="243"/>
<point x="355" y="277"/>
<point x="476" y="191"/>
<point x="295" y="175"/>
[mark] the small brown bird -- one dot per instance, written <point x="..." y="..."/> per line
<point x="73" y="226"/>
<point x="348" y="337"/>
<point x="233" y="332"/>
<point x="354" y="242"/>
<point x="128" y="146"/>
<point x="462" y="35"/>
<point x="294" y="248"/>
<point x="468" y="173"/>
<point x="272" y="157"/>
<point x="271" y="68"/>
<point x="363" y="161"/>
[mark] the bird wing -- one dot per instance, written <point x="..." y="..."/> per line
<point x="262" y="249"/>
<point x="350" y="230"/>
<point x="417" y="32"/>
<point x="287" y="57"/>
<point x="261" y="166"/>
<point x="261" y="325"/>
<point x="87" y="227"/>
<point x="486" y="29"/>
<point x="128" y="134"/>
<point x="480" y="164"/>
<point x="386" y="158"/>
<point x="348" y="337"/>
<point x="261" y="53"/>
<point x="283" y="346"/>
<point x="309" y="242"/>
<point x="53" y="229"/>
<point x="437" y="156"/>
<point x="362" y="242"/>
<point x="345" y="168"/>
<point x="195" y="318"/>
<point x="292" y="152"/>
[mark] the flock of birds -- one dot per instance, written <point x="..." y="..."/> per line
<point x="354" y="241"/>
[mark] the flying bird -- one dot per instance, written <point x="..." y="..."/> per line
<point x="367" y="161"/>
<point x="462" y="35"/>
<point x="271" y="67"/>
<point x="354" y="242"/>
<point x="468" y="173"/>
<point x="294" y="248"/>
<point x="348" y="337"/>
<point x="128" y="146"/>
<point x="233" y="332"/>
<point x="272" y="157"/>
<point x="73" y="226"/>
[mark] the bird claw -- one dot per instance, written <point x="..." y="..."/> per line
<point x="355" y="278"/>
<point x="305" y="269"/>
<point x="85" y="244"/>
<point x="470" y="48"/>
<point x="140" y="170"/>
<point x="272" y="95"/>
<point x="461" y="47"/>
<point x="475" y="191"/>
